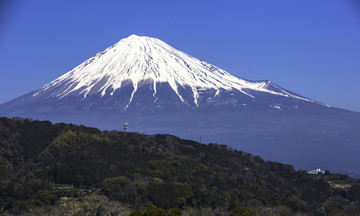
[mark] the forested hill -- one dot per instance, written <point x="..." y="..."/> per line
<point x="41" y="163"/>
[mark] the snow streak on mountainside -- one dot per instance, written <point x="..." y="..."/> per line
<point x="143" y="59"/>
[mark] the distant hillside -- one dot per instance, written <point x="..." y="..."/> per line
<point x="41" y="163"/>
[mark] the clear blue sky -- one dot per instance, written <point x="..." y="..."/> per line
<point x="311" y="47"/>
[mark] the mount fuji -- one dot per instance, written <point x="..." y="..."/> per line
<point x="158" y="89"/>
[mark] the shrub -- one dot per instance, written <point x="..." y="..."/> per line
<point x="155" y="211"/>
<point x="242" y="211"/>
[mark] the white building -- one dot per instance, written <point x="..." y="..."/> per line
<point x="316" y="171"/>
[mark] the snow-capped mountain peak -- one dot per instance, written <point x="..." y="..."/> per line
<point x="140" y="58"/>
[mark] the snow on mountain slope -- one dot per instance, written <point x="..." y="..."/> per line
<point x="149" y="59"/>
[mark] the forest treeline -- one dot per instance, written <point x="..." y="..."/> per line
<point x="43" y="164"/>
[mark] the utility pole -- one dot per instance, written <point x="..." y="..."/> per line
<point x="125" y="127"/>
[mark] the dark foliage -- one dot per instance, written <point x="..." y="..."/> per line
<point x="160" y="169"/>
<point x="155" y="211"/>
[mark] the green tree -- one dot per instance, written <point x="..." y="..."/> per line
<point x="242" y="211"/>
<point x="155" y="211"/>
